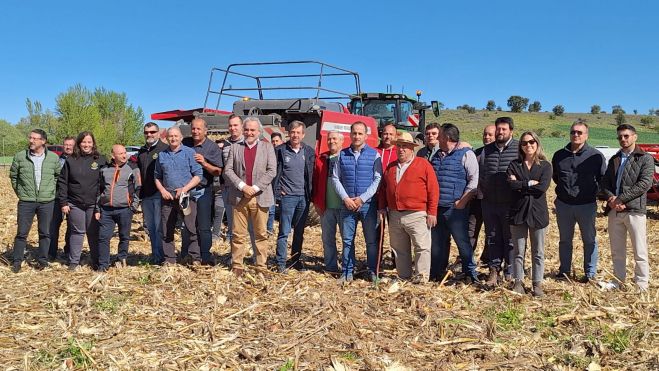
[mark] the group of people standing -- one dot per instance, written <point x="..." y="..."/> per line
<point x="428" y="196"/>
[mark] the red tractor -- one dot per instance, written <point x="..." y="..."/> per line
<point x="653" y="149"/>
<point x="320" y="105"/>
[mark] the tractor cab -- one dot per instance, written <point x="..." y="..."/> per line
<point x="405" y="113"/>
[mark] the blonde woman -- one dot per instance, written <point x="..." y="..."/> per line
<point x="529" y="177"/>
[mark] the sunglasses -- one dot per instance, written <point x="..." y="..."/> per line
<point x="625" y="136"/>
<point x="150" y="131"/>
<point x="525" y="143"/>
<point x="576" y="132"/>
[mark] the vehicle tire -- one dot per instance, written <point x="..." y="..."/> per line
<point x="313" y="219"/>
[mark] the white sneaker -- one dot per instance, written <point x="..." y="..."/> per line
<point x="608" y="286"/>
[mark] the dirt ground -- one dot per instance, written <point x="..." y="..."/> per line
<point x="149" y="317"/>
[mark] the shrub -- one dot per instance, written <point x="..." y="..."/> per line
<point x="595" y="109"/>
<point x="558" y="110"/>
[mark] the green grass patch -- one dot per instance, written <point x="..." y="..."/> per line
<point x="288" y="366"/>
<point x="618" y="340"/>
<point x="110" y="304"/>
<point x="349" y="356"/>
<point x="77" y="351"/>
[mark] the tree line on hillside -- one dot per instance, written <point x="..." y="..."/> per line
<point x="517" y="104"/>
<point x="106" y="113"/>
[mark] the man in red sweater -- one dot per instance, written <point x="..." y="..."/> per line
<point x="412" y="209"/>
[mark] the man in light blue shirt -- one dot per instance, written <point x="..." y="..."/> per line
<point x="356" y="177"/>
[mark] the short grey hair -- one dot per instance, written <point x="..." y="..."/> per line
<point x="296" y="124"/>
<point x="200" y="119"/>
<point x="174" y="128"/>
<point x="337" y="133"/>
<point x="253" y="119"/>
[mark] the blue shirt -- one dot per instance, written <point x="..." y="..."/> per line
<point x="370" y="192"/>
<point x="174" y="169"/>
<point x="623" y="160"/>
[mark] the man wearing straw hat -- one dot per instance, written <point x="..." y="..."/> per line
<point x="412" y="209"/>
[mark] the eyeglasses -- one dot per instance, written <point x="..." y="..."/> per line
<point x="576" y="132"/>
<point x="525" y="143"/>
<point x="150" y="131"/>
<point x="625" y="136"/>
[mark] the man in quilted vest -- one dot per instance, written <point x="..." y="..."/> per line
<point x="33" y="177"/>
<point x="457" y="173"/>
<point x="497" y="198"/>
<point x="356" y="178"/>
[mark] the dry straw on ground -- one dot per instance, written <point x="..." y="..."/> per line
<point x="143" y="317"/>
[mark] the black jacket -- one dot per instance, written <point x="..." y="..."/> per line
<point x="493" y="165"/>
<point x="309" y="162"/>
<point x="577" y="175"/>
<point x="529" y="202"/>
<point x="636" y="180"/>
<point x="78" y="183"/>
<point x="146" y="162"/>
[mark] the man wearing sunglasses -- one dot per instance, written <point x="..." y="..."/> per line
<point x="627" y="179"/>
<point x="149" y="194"/>
<point x="577" y="171"/>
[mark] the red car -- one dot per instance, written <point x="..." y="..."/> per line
<point x="58" y="149"/>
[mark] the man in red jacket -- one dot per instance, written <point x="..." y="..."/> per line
<point x="412" y="209"/>
<point x="326" y="201"/>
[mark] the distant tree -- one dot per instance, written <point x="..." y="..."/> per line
<point x="468" y="108"/>
<point x="106" y="113"/>
<point x="647" y="121"/>
<point x="535" y="106"/>
<point x="490" y="105"/>
<point x="558" y="110"/>
<point x="636" y="112"/>
<point x="620" y="118"/>
<point x="499" y="108"/>
<point x="11" y="139"/>
<point x="595" y="109"/>
<point x="617" y="109"/>
<point x="517" y="103"/>
<point x="651" y="112"/>
<point x="38" y="118"/>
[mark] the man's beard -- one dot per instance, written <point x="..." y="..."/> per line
<point x="151" y="141"/>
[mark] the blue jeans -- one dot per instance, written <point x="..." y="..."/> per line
<point x="218" y="214"/>
<point x="122" y="217"/>
<point x="271" y="219"/>
<point x="369" y="218"/>
<point x="153" y="225"/>
<point x="451" y="222"/>
<point x="294" y="212"/>
<point x="329" y="220"/>
<point x="204" y="222"/>
<point x="498" y="240"/>
<point x="566" y="217"/>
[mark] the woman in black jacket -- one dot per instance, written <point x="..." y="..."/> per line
<point x="529" y="177"/>
<point x="78" y="191"/>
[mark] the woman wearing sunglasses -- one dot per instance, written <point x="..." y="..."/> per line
<point x="529" y="177"/>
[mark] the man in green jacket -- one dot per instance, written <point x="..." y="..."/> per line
<point x="33" y="176"/>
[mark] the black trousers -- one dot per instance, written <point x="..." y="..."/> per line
<point x="26" y="212"/>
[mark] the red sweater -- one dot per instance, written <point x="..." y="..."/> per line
<point x="250" y="158"/>
<point x="418" y="189"/>
<point x="387" y="155"/>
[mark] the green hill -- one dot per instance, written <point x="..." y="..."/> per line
<point x="553" y="132"/>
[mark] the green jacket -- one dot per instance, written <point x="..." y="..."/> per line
<point x="22" y="177"/>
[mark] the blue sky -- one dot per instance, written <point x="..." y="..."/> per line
<point x="575" y="53"/>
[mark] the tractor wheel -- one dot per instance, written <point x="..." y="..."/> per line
<point x="313" y="219"/>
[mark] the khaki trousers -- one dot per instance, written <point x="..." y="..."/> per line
<point x="249" y="210"/>
<point x="619" y="225"/>
<point x="409" y="232"/>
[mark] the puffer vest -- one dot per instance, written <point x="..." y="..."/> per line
<point x="451" y="175"/>
<point x="493" y="171"/>
<point x="357" y="176"/>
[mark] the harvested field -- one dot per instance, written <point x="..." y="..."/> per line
<point x="144" y="317"/>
